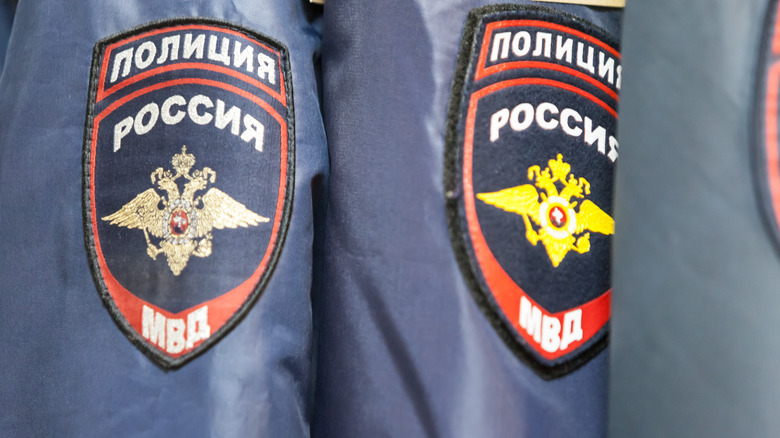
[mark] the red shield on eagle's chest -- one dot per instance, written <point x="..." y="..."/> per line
<point x="188" y="179"/>
<point x="531" y="150"/>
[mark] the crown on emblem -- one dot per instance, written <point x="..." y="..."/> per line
<point x="549" y="214"/>
<point x="560" y="170"/>
<point x="185" y="222"/>
<point x="183" y="162"/>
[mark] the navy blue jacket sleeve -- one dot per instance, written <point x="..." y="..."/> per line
<point x="403" y="348"/>
<point x="68" y="367"/>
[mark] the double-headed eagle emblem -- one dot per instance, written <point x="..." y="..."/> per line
<point x="560" y="228"/>
<point x="184" y="222"/>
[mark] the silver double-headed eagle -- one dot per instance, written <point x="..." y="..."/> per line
<point x="184" y="222"/>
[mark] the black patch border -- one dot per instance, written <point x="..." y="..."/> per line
<point x="453" y="193"/>
<point x="758" y="131"/>
<point x="158" y="357"/>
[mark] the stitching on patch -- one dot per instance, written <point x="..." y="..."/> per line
<point x="135" y="338"/>
<point x="457" y="111"/>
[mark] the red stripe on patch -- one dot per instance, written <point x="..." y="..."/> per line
<point x="482" y="71"/>
<point x="102" y="92"/>
<point x="222" y="308"/>
<point x="595" y="313"/>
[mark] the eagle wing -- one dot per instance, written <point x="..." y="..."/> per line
<point x="521" y="200"/>
<point x="221" y="211"/>
<point x="142" y="213"/>
<point x="593" y="218"/>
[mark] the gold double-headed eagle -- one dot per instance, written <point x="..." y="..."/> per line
<point x="560" y="228"/>
<point x="184" y="222"/>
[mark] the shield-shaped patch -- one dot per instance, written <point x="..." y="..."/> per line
<point x="766" y="141"/>
<point x="531" y="149"/>
<point x="188" y="179"/>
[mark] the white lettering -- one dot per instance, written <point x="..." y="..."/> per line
<point x="572" y="328"/>
<point x="149" y="48"/>
<point x="528" y="117"/>
<point x="139" y="126"/>
<point x="531" y="319"/>
<point x="167" y="117"/>
<point x="193" y="46"/>
<point x="222" y="118"/>
<point x="174" y="109"/>
<point x="192" y="109"/>
<point x="266" y="68"/>
<point x="172" y="42"/>
<point x="175" y="334"/>
<point x="592" y="135"/>
<point x="243" y="56"/>
<point x="500" y="42"/>
<point x="566" y="115"/>
<point x="613" y="149"/>
<point x="607" y="68"/>
<point x="551" y="330"/>
<point x="497" y="121"/>
<point x="543" y="44"/>
<point x="121" y="130"/>
<point x="548" y="117"/>
<point x="253" y="129"/>
<point x="153" y="326"/>
<point x="222" y="56"/>
<point x="123" y="56"/>
<point x="546" y="329"/>
<point x="543" y="108"/>
<point x="587" y="65"/>
<point x="172" y="334"/>
<point x="526" y="38"/>
<point x="198" y="327"/>
<point x="563" y="48"/>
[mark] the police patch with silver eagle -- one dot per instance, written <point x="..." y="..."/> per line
<point x="531" y="150"/>
<point x="188" y="179"/>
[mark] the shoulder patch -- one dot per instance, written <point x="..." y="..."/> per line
<point x="187" y="179"/>
<point x="530" y="154"/>
<point x="766" y="142"/>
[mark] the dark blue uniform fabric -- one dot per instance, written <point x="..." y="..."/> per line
<point x="67" y="370"/>
<point x="393" y="336"/>
<point x="402" y="348"/>
<point x="6" y="19"/>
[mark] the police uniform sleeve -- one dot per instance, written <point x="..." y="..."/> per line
<point x="161" y="166"/>
<point x="411" y="338"/>
<point x="6" y="20"/>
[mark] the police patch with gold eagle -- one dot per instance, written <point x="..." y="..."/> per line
<point x="531" y="150"/>
<point x="188" y="179"/>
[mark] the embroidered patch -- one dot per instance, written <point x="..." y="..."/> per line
<point x="766" y="142"/>
<point x="188" y="179"/>
<point x="531" y="150"/>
